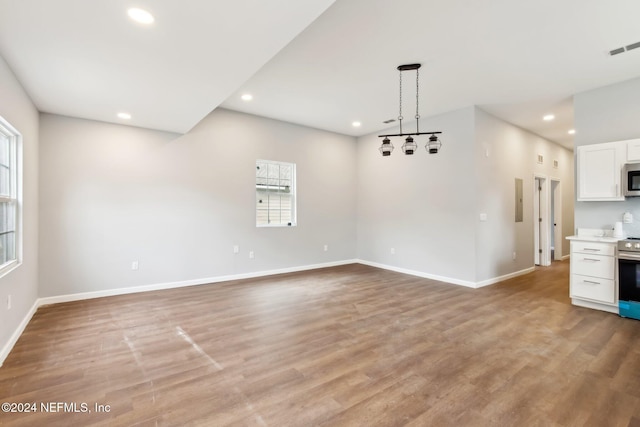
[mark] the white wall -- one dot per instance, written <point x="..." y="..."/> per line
<point x="21" y="283"/>
<point x="427" y="207"/>
<point x="109" y="194"/>
<point x="113" y="194"/>
<point x="423" y="205"/>
<point x="512" y="153"/>
<point x="608" y="114"/>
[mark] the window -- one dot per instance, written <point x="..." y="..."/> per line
<point x="275" y="193"/>
<point x="9" y="208"/>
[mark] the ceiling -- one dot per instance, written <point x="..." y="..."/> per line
<point x="86" y="58"/>
<point x="318" y="63"/>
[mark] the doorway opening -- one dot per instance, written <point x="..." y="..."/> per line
<point x="547" y="220"/>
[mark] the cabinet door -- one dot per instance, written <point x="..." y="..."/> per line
<point x="599" y="171"/>
<point x="633" y="150"/>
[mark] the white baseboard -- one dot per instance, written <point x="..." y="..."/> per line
<point x="194" y="282"/>
<point x="460" y="282"/>
<point x="504" y="277"/>
<point x="419" y="274"/>
<point x="16" y="334"/>
<point x="594" y="305"/>
<point x="566" y="257"/>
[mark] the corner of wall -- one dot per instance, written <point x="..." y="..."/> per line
<point x="414" y="229"/>
<point x="21" y="283"/>
<point x="505" y="152"/>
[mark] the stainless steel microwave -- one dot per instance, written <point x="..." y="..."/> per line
<point x="631" y="178"/>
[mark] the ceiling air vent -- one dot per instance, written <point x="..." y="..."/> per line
<point x="623" y="49"/>
<point x="633" y="46"/>
<point x="616" y="51"/>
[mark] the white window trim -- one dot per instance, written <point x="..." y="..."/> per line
<point x="16" y="191"/>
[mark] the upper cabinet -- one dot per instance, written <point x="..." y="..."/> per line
<point x="633" y="150"/>
<point x="600" y="170"/>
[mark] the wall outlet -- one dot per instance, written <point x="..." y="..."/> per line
<point x="514" y="255"/>
<point x="134" y="265"/>
<point x="483" y="217"/>
<point x="251" y="254"/>
<point x="9" y="302"/>
<point x="393" y="251"/>
<point x="326" y="248"/>
<point x="236" y="249"/>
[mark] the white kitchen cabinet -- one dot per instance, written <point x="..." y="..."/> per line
<point x="594" y="278"/>
<point x="593" y="289"/>
<point x="633" y="150"/>
<point x="594" y="266"/>
<point x="593" y="248"/>
<point x="600" y="171"/>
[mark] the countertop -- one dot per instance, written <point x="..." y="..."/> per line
<point x="603" y="239"/>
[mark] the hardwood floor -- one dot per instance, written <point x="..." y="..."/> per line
<point x="345" y="346"/>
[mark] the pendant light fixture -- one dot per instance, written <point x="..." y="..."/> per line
<point x="410" y="146"/>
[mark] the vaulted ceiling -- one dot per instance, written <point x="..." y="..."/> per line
<point x="86" y="58"/>
<point x="318" y="63"/>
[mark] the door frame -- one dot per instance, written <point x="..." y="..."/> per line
<point x="556" y="193"/>
<point x="541" y="230"/>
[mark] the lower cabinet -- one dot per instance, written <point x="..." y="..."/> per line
<point x="594" y="281"/>
<point x="593" y="288"/>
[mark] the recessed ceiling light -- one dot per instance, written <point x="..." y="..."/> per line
<point x="571" y="131"/>
<point x="356" y="124"/>
<point x="247" y="97"/>
<point x="548" y="117"/>
<point x="141" y="16"/>
<point x="124" y="116"/>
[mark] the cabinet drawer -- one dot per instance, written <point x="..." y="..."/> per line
<point x="596" y="289"/>
<point x="593" y="248"/>
<point x="593" y="265"/>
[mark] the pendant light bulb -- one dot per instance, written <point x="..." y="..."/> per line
<point x="409" y="146"/>
<point x="386" y="148"/>
<point x="434" y="144"/>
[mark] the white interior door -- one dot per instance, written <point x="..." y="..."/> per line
<point x="541" y="221"/>
<point x="537" y="215"/>
<point x="556" y="227"/>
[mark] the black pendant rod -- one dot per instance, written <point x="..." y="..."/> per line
<point x="409" y="134"/>
<point x="409" y="67"/>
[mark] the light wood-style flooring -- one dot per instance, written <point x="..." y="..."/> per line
<point x="344" y="346"/>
